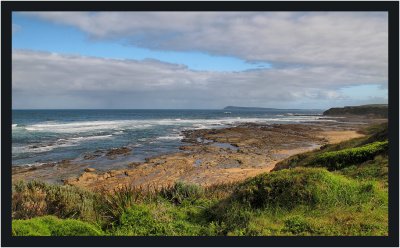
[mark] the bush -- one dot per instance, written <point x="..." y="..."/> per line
<point x="302" y="186"/>
<point x="181" y="191"/>
<point x="346" y="157"/>
<point x="52" y="226"/>
<point x="34" y="199"/>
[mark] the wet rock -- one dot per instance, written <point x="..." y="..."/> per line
<point x="134" y="164"/>
<point x="91" y="156"/>
<point x="118" y="151"/>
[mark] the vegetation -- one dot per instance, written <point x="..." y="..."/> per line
<point x="376" y="110"/>
<point x="310" y="187"/>
<point x="340" y="189"/>
<point x="343" y="158"/>
<point x="52" y="226"/>
<point x="37" y="199"/>
<point x="356" y="151"/>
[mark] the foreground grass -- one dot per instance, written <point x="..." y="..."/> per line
<point x="52" y="226"/>
<point x="319" y="193"/>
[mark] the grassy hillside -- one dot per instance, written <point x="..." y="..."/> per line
<point x="375" y="110"/>
<point x="338" y="190"/>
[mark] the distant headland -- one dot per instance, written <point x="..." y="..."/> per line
<point x="258" y="108"/>
<point x="375" y="110"/>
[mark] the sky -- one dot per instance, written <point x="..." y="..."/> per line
<point x="199" y="60"/>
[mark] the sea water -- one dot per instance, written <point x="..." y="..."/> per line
<point x="41" y="136"/>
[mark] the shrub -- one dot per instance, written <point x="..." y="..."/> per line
<point x="343" y="158"/>
<point x="52" y="226"/>
<point x="181" y="191"/>
<point x="34" y="199"/>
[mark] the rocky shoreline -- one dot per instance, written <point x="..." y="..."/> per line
<point x="209" y="156"/>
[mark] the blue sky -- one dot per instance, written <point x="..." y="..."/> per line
<point x="202" y="60"/>
<point x="42" y="35"/>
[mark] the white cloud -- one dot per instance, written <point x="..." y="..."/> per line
<point x="49" y="80"/>
<point x="357" y="41"/>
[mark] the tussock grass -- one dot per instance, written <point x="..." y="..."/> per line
<point x="180" y="192"/>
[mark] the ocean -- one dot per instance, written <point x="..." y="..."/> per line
<point x="42" y="136"/>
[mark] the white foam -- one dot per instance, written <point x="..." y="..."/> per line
<point x="86" y="126"/>
<point x="92" y="137"/>
<point x="122" y="125"/>
<point x="32" y="164"/>
<point x="14" y="125"/>
<point x="44" y="148"/>
<point x="75" y="141"/>
<point x="170" y="137"/>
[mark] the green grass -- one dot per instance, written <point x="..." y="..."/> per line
<point x="52" y="226"/>
<point x="313" y="187"/>
<point x="336" y="160"/>
<point x="339" y="190"/>
<point x="162" y="219"/>
<point x="375" y="169"/>
<point x="270" y="204"/>
<point x="347" y="153"/>
<point x="264" y="205"/>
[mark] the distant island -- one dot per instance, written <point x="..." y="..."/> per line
<point x="374" y="110"/>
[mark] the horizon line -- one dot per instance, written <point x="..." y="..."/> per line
<point x="160" y="108"/>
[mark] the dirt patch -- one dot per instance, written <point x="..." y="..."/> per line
<point x="334" y="137"/>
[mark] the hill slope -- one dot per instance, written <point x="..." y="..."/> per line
<point x="374" y="110"/>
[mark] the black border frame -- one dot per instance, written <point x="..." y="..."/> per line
<point x="391" y="7"/>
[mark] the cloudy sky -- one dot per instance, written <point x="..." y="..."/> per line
<point x="199" y="59"/>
